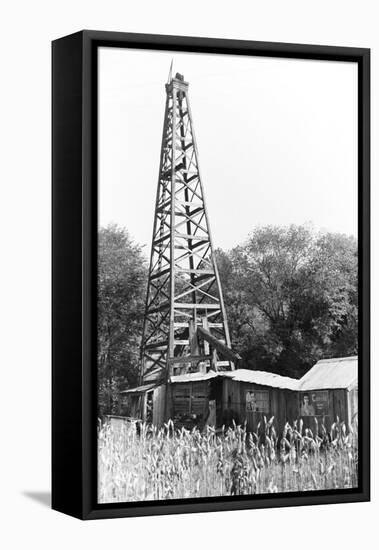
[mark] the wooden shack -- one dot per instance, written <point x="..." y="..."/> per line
<point x="145" y="402"/>
<point x="187" y="400"/>
<point x="193" y="399"/>
<point x="252" y="395"/>
<point x="330" y="390"/>
<point x="219" y="398"/>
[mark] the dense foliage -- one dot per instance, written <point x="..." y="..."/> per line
<point x="122" y="274"/>
<point x="290" y="295"/>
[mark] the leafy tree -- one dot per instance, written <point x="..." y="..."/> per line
<point x="121" y="293"/>
<point x="291" y="297"/>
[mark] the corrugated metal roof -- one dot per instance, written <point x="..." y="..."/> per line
<point x="141" y="389"/>
<point x="193" y="377"/>
<point x="329" y="374"/>
<point x="263" y="378"/>
<point x="337" y="373"/>
<point x="242" y="375"/>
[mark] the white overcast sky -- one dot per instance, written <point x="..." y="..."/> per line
<point x="277" y="140"/>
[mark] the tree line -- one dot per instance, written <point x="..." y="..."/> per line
<point x="291" y="296"/>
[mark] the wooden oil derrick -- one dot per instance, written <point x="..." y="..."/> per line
<point x="185" y="326"/>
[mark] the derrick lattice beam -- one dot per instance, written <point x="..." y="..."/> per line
<point x="184" y="291"/>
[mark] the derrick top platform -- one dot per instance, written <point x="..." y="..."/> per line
<point x="178" y="83"/>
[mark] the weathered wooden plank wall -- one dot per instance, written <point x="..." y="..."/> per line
<point x="352" y="399"/>
<point x="159" y="402"/>
<point x="246" y="401"/>
<point x="268" y="402"/>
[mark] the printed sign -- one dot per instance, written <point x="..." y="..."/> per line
<point x="257" y="401"/>
<point x="314" y="403"/>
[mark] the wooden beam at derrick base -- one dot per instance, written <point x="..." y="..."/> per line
<point x="189" y="359"/>
<point x="220" y="347"/>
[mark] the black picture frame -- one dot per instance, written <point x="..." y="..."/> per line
<point x="74" y="228"/>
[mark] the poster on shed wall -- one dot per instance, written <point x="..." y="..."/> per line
<point x="227" y="271"/>
<point x="314" y="403"/>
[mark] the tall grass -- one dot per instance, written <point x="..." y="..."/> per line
<point x="153" y="464"/>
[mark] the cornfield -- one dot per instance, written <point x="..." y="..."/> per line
<point x="165" y="463"/>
